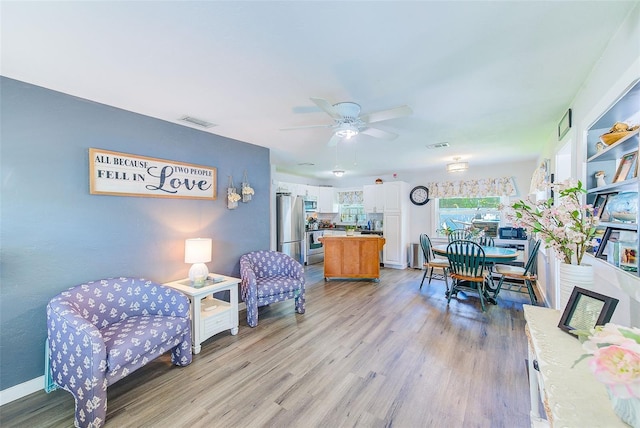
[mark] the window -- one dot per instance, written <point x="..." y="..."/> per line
<point x="457" y="213"/>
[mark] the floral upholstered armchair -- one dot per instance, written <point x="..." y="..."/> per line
<point x="102" y="331"/>
<point x="269" y="277"/>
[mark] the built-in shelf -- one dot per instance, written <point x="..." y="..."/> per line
<point x="625" y="109"/>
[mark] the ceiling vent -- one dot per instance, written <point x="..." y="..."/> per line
<point x="437" y="145"/>
<point x="198" y="122"/>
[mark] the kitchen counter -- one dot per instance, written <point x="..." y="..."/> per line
<point x="352" y="256"/>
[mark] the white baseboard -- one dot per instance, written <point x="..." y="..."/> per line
<point x="21" y="390"/>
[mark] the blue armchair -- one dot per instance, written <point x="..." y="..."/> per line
<point x="270" y="277"/>
<point x="101" y="331"/>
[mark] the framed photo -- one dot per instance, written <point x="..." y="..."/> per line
<point x="600" y="204"/>
<point x="610" y="237"/>
<point x="627" y="168"/>
<point x="586" y="309"/>
<point x="564" y="125"/>
<point x="628" y="256"/>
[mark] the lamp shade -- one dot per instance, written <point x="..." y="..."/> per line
<point x="197" y="250"/>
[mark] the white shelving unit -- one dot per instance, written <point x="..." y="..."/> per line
<point x="626" y="109"/>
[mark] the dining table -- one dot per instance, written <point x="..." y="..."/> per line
<point x="492" y="255"/>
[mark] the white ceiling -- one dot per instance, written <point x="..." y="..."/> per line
<point x="491" y="78"/>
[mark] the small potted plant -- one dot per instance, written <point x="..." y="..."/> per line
<point x="350" y="229"/>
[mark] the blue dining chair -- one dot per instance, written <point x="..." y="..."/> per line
<point x="486" y="241"/>
<point x="467" y="269"/>
<point x="458" y="234"/>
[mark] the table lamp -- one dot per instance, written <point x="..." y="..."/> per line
<point x="198" y="252"/>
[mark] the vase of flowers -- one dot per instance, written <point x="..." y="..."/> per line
<point x="232" y="195"/>
<point x="614" y="353"/>
<point x="232" y="198"/>
<point x="567" y="226"/>
<point x="247" y="191"/>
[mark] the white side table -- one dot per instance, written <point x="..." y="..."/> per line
<point x="210" y="316"/>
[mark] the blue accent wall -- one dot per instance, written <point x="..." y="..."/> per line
<point x="54" y="234"/>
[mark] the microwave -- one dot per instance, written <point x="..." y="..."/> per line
<point x="310" y="205"/>
<point x="512" y="233"/>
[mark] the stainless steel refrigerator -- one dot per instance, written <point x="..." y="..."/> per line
<point x="290" y="219"/>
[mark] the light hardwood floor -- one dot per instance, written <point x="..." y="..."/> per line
<point x="365" y="354"/>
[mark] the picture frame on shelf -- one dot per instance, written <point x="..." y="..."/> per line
<point x="610" y="237"/>
<point x="628" y="256"/>
<point x="600" y="204"/>
<point x="610" y="243"/>
<point x="627" y="168"/>
<point x="585" y="310"/>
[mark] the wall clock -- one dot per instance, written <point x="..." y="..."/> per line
<point x="419" y="195"/>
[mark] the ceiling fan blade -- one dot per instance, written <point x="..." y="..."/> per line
<point x="379" y="133"/>
<point x="393" y="113"/>
<point x="327" y="107"/>
<point x="334" y="140"/>
<point x="292" y="128"/>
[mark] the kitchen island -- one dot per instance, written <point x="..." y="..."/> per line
<point x="352" y="256"/>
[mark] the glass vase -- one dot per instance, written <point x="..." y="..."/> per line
<point x="231" y="204"/>
<point x="627" y="409"/>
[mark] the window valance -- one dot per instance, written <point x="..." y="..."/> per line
<point x="502" y="186"/>
<point x="351" y="197"/>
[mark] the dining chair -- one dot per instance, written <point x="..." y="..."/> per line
<point x="458" y="234"/>
<point x="517" y="277"/>
<point x="486" y="241"/>
<point x="432" y="262"/>
<point x="467" y="269"/>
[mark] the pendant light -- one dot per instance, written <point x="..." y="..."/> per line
<point x="457" y="166"/>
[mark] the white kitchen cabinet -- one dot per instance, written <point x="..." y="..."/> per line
<point x="285" y="187"/>
<point x="312" y="191"/>
<point x="373" y="195"/>
<point x="396" y="224"/>
<point x="327" y="200"/>
<point x="396" y="195"/>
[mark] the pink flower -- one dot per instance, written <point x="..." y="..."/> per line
<point x="618" y="368"/>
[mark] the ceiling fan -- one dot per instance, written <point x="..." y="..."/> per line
<point x="348" y="122"/>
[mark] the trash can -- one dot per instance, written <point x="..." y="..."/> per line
<point x="416" y="258"/>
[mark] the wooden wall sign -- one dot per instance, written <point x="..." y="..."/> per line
<point x="121" y="174"/>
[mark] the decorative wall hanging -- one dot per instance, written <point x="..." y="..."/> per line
<point x="540" y="177"/>
<point x="564" y="125"/>
<point x="247" y="190"/>
<point x="121" y="174"/>
<point x="232" y="195"/>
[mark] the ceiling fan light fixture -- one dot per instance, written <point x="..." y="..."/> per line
<point x="457" y="166"/>
<point x="338" y="172"/>
<point x="347" y="130"/>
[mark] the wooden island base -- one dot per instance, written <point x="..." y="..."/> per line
<point x="352" y="256"/>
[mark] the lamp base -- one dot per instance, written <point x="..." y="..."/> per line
<point x="198" y="274"/>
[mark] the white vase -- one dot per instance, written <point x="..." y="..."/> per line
<point x="627" y="409"/>
<point x="574" y="276"/>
